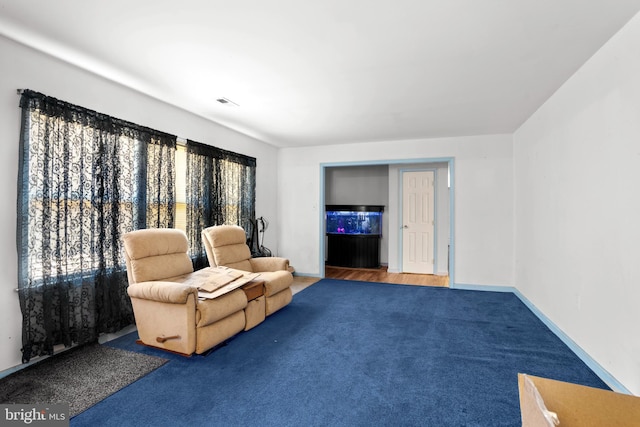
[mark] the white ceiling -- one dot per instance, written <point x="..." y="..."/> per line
<point x="331" y="71"/>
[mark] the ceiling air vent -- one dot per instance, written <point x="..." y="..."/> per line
<point x="227" y="102"/>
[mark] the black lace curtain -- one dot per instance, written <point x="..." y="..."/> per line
<point x="221" y="188"/>
<point x="85" y="179"/>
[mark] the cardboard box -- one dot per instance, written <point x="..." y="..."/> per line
<point x="542" y="400"/>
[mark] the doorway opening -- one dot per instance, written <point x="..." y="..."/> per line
<point x="381" y="182"/>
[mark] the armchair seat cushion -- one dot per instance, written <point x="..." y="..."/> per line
<point x="209" y="311"/>
<point x="275" y="281"/>
<point x="244" y="265"/>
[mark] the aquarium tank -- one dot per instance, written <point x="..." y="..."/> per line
<point x="354" y="219"/>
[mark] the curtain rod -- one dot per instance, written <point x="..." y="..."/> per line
<point x="181" y="141"/>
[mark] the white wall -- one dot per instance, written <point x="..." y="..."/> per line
<point x="577" y="207"/>
<point x="483" y="217"/>
<point x="21" y="67"/>
<point x="357" y="185"/>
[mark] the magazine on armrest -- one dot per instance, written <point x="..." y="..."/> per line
<point x="219" y="277"/>
<point x="228" y="287"/>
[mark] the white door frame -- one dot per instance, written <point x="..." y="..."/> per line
<point x="426" y="161"/>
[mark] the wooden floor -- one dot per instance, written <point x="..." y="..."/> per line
<point x="370" y="275"/>
<point x="381" y="275"/>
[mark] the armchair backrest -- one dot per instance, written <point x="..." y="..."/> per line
<point x="156" y="254"/>
<point x="226" y="245"/>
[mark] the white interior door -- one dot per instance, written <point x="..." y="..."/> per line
<point x="418" y="199"/>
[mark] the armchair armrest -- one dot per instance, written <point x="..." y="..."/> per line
<point x="170" y="292"/>
<point x="269" y="264"/>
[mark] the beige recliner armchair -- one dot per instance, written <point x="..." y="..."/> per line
<point x="164" y="295"/>
<point x="226" y="245"/>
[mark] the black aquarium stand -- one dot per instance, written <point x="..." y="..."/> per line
<point x="353" y="250"/>
<point x="353" y="234"/>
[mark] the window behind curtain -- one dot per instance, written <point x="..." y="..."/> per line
<point x="85" y="179"/>
<point x="220" y="190"/>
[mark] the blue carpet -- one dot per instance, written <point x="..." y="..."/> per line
<point x="356" y="354"/>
